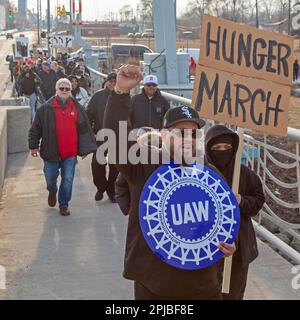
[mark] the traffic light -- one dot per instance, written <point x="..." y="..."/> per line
<point x="10" y="14"/>
<point x="63" y="12"/>
<point x="58" y="11"/>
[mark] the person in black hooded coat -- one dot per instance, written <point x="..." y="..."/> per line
<point x="221" y="145"/>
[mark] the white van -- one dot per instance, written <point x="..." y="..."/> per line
<point x="128" y="50"/>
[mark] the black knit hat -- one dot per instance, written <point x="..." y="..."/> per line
<point x="182" y="113"/>
<point x="72" y="77"/>
<point x="111" y="76"/>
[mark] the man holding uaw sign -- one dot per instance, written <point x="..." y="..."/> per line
<point x="185" y="215"/>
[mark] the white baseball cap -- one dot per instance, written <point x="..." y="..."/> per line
<point x="151" y="79"/>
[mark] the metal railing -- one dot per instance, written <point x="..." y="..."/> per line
<point x="279" y="169"/>
<point x="97" y="79"/>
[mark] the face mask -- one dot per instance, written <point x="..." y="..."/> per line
<point x="221" y="158"/>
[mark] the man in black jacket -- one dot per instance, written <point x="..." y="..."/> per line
<point x="148" y="108"/>
<point x="64" y="130"/>
<point x="95" y="112"/>
<point x="153" y="278"/>
<point x="28" y="83"/>
<point x="221" y="145"/>
<point x="48" y="78"/>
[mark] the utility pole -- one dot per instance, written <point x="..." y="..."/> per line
<point x="48" y="26"/>
<point x="256" y="13"/>
<point x="71" y="17"/>
<point x="38" y="20"/>
<point x="289" y="19"/>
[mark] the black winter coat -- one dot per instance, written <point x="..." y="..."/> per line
<point x="48" y="83"/>
<point x="141" y="264"/>
<point x="29" y="85"/>
<point x="145" y="112"/>
<point x="122" y="194"/>
<point x="44" y="127"/>
<point x="96" y="107"/>
<point x="251" y="190"/>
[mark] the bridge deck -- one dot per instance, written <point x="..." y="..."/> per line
<point x="47" y="256"/>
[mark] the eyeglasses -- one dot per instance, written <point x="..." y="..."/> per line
<point x="151" y="85"/>
<point x="185" y="133"/>
<point x="65" y="89"/>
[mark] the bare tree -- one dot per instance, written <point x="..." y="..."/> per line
<point x="146" y="12"/>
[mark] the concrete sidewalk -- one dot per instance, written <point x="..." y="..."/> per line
<point x="47" y="256"/>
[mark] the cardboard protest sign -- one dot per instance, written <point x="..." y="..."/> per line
<point x="59" y="41"/>
<point x="244" y="76"/>
<point x="246" y="50"/>
<point x="22" y="47"/>
<point x="241" y="101"/>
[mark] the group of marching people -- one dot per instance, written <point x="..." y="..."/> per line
<point x="63" y="128"/>
<point x="36" y="78"/>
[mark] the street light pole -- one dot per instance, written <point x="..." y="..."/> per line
<point x="256" y="13"/>
<point x="38" y="20"/>
<point x="48" y="26"/>
<point x="71" y="18"/>
<point x="289" y="19"/>
<point x="187" y="34"/>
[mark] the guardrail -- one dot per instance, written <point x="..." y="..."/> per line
<point x="279" y="169"/>
<point x="97" y="78"/>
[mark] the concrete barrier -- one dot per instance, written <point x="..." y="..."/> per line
<point x="14" y="126"/>
<point x="3" y="146"/>
<point x="21" y="101"/>
<point x="18" y="124"/>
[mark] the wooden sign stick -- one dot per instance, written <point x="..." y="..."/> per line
<point x="235" y="189"/>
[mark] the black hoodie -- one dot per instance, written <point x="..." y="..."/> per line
<point x="250" y="188"/>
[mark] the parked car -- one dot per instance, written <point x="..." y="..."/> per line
<point x="130" y="35"/>
<point x="9" y="35"/>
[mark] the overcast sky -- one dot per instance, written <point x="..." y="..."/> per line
<point x="97" y="9"/>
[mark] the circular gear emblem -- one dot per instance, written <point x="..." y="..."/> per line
<point x="185" y="212"/>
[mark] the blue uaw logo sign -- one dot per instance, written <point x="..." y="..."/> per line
<point x="185" y="212"/>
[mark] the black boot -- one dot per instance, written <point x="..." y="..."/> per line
<point x="99" y="195"/>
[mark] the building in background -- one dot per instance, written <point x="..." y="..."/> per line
<point x="2" y="17"/>
<point x="100" y="30"/>
<point x="22" y="13"/>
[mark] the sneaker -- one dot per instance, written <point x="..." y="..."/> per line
<point x="52" y="200"/>
<point x="99" y="196"/>
<point x="64" y="212"/>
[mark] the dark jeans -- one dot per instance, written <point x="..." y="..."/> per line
<point x="99" y="177"/>
<point x="67" y="171"/>
<point x="142" y="293"/>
